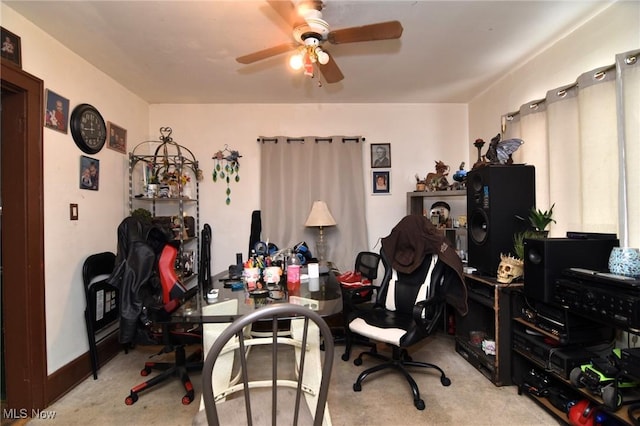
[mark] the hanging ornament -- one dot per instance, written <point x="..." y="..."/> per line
<point x="226" y="164"/>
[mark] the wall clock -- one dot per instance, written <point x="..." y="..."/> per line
<point x="88" y="128"/>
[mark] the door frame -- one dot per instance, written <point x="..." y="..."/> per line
<point x="23" y="280"/>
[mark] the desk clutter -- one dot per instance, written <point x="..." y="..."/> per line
<point x="270" y="272"/>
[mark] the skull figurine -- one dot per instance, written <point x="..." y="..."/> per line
<point x="509" y="269"/>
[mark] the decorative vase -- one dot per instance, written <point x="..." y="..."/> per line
<point x="164" y="191"/>
<point x="152" y="190"/>
<point x="625" y="261"/>
<point x="186" y="191"/>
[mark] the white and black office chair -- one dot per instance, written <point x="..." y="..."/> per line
<point x="408" y="308"/>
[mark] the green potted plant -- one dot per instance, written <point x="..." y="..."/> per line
<point x="143" y="214"/>
<point x="539" y="220"/>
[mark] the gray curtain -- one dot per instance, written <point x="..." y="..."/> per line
<point x="297" y="171"/>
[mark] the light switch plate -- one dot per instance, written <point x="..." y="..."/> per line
<point x="73" y="212"/>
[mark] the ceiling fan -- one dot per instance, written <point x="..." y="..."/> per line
<point x="310" y="32"/>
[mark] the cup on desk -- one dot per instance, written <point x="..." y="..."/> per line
<point x="272" y="274"/>
<point x="313" y="270"/>
<point x="251" y="277"/>
<point x="314" y="284"/>
<point x="293" y="274"/>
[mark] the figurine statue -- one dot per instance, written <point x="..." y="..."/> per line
<point x="438" y="181"/>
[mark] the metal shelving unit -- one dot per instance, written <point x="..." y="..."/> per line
<point x="151" y="161"/>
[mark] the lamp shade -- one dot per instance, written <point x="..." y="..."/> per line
<point x="320" y="215"/>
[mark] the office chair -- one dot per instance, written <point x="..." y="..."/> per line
<point x="173" y="337"/>
<point x="265" y="393"/>
<point x="407" y="309"/>
<point x="150" y="291"/>
<point x="366" y="264"/>
<point x="102" y="311"/>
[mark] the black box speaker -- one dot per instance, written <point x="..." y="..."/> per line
<point x="544" y="260"/>
<point x="496" y="194"/>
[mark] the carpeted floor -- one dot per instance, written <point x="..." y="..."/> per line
<point x="385" y="398"/>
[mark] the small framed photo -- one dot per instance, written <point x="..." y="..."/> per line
<point x="380" y="182"/>
<point x="56" y="114"/>
<point x="11" y="48"/>
<point x="380" y="155"/>
<point x="117" y="137"/>
<point x="89" y="173"/>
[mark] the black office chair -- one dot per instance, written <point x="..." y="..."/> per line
<point x="407" y="309"/>
<point x="150" y="291"/>
<point x="271" y="390"/>
<point x="102" y="311"/>
<point x="366" y="264"/>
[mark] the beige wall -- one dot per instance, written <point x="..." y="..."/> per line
<point x="419" y="135"/>
<point x="68" y="243"/>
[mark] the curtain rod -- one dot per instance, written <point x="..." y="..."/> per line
<point x="355" y="139"/>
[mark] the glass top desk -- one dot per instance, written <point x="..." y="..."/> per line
<point x="322" y="295"/>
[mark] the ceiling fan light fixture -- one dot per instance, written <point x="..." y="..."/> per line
<point x="296" y="60"/>
<point x="323" y="57"/>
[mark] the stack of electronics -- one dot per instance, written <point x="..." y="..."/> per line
<point x="600" y="295"/>
<point x="539" y="384"/>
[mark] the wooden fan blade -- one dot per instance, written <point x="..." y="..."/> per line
<point x="266" y="53"/>
<point x="330" y="70"/>
<point x="380" y="31"/>
<point x="287" y="11"/>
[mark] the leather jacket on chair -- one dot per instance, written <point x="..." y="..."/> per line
<point x="135" y="275"/>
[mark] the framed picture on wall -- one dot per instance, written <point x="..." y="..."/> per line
<point x="11" y="48"/>
<point x="380" y="155"/>
<point x="56" y="114"/>
<point x="117" y="137"/>
<point x="89" y="173"/>
<point x="380" y="182"/>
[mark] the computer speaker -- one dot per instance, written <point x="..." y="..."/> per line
<point x="496" y="195"/>
<point x="544" y="260"/>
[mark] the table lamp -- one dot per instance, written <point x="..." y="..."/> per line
<point x="320" y="216"/>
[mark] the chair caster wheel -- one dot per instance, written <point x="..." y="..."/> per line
<point x="445" y="381"/>
<point x="357" y="387"/>
<point x="345" y="357"/>
<point x="419" y="404"/>
<point x="357" y="361"/>
<point x="187" y="399"/>
<point x="131" y="399"/>
<point x="145" y="371"/>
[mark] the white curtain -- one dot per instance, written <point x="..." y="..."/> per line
<point x="564" y="159"/>
<point x="598" y="150"/>
<point x="297" y="171"/>
<point x="628" y="84"/>
<point x="533" y="128"/>
<point x="584" y="140"/>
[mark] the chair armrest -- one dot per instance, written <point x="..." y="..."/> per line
<point x="426" y="314"/>
<point x="350" y="295"/>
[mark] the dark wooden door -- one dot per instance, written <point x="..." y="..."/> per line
<point x="23" y="298"/>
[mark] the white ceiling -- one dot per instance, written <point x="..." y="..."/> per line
<point x="184" y="51"/>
